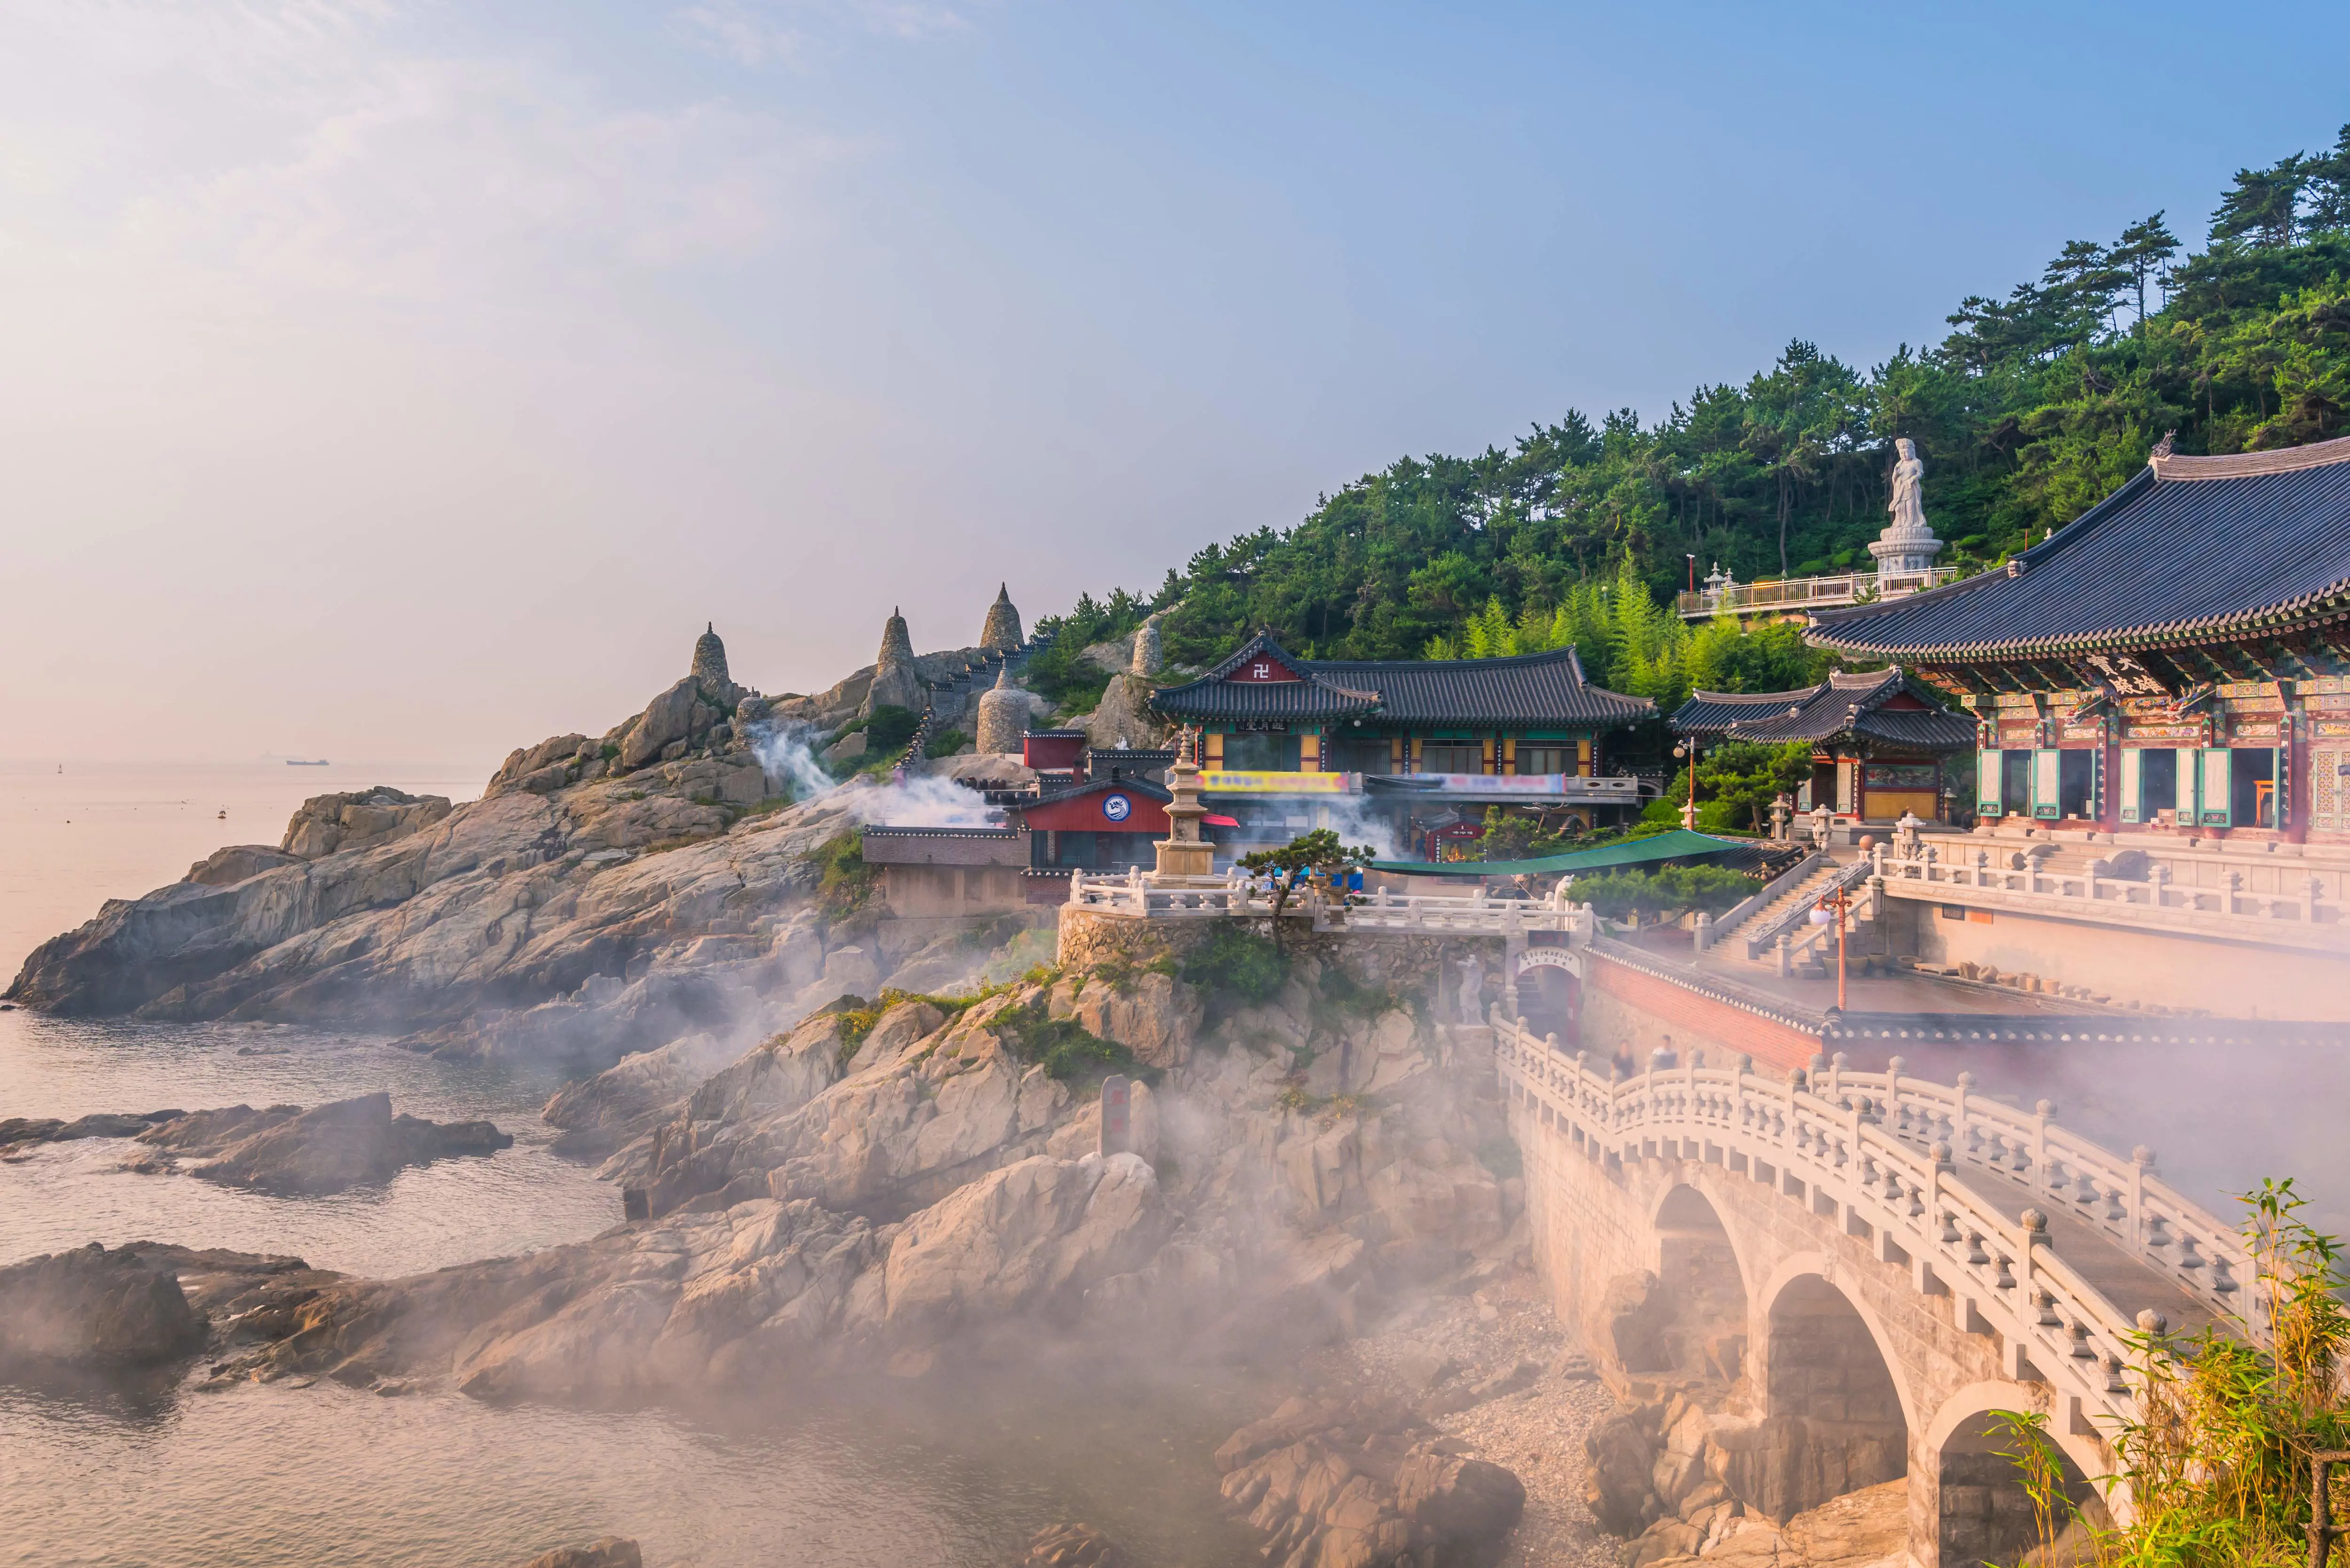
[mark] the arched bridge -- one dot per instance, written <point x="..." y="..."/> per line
<point x="1867" y="1263"/>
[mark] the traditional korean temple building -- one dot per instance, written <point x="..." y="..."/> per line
<point x="1879" y="740"/>
<point x="2177" y="662"/>
<point x="1422" y="742"/>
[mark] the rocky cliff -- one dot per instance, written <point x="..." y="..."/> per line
<point x="605" y="895"/>
<point x="880" y="1183"/>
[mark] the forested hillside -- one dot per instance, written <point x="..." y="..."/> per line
<point x="2034" y="405"/>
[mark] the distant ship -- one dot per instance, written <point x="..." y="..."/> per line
<point x="299" y="763"/>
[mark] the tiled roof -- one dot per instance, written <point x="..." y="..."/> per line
<point x="1124" y="786"/>
<point x="1849" y="705"/>
<point x="1528" y="691"/>
<point x="1712" y="713"/>
<point x="2190" y="550"/>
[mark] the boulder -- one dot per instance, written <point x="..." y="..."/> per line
<point x="1150" y="1014"/>
<point x="605" y="1552"/>
<point x="96" y="1307"/>
<point x="17" y="1132"/>
<point x="1367" y="1485"/>
<point x="1075" y="1545"/>
<point x="223" y="868"/>
<point x="284" y="1148"/>
<point x="667" y="719"/>
<point x="359" y="819"/>
<point x="599" y="1115"/>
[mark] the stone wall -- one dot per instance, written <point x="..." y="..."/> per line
<point x="1627" y="1015"/>
<point x="2184" y="972"/>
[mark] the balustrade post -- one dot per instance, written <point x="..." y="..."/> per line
<point x="2042" y="1113"/>
<point x="2141" y="1166"/>
<point x="1959" y="1111"/>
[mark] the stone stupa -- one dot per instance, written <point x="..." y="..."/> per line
<point x="896" y="682"/>
<point x="1001" y="633"/>
<point x="710" y="660"/>
<point x="1003" y="716"/>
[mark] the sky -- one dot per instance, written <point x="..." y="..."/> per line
<point x="414" y="381"/>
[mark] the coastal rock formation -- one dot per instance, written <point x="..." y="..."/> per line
<point x="1073" y="1545"/>
<point x="881" y="1182"/>
<point x="762" y="1291"/>
<point x="239" y="861"/>
<point x="22" y="1132"/>
<point x="284" y="1148"/>
<point x="95" y="1307"/>
<point x="599" y="1115"/>
<point x="1361" y="1484"/>
<point x="604" y="1552"/>
<point x="359" y="819"/>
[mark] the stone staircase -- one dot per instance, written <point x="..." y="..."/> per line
<point x="1756" y="937"/>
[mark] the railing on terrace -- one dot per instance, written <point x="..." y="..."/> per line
<point x="1133" y="893"/>
<point x="1885" y="1147"/>
<point x="1801" y="593"/>
<point x="2311" y="915"/>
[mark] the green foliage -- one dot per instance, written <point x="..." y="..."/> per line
<point x="946" y="743"/>
<point x="2218" y="1463"/>
<point x="889" y="730"/>
<point x="1236" y="965"/>
<point x="1062" y="672"/>
<point x="2033" y="407"/>
<point x="1066" y="1047"/>
<point x="845" y="883"/>
<point x="1743" y="778"/>
<point x="1317" y="853"/>
<point x="1669" y="890"/>
<point x="1510" y="838"/>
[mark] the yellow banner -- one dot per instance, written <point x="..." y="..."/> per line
<point x="1280" y="783"/>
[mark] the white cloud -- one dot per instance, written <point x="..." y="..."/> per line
<point x="343" y="148"/>
<point x="768" y="32"/>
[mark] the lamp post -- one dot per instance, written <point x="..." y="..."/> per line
<point x="1688" y="749"/>
<point x="1692" y="561"/>
<point x="1838" y="902"/>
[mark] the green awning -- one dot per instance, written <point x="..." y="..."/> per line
<point x="1679" y="844"/>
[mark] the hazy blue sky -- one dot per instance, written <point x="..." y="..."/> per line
<point x="388" y="379"/>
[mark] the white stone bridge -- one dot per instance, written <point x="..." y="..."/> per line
<point x="1883" y="1259"/>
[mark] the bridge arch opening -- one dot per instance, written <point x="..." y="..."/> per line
<point x="1987" y="1515"/>
<point x="1698" y="1269"/>
<point x="1832" y="1400"/>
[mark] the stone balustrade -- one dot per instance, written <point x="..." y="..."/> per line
<point x="2218" y="896"/>
<point x="1137" y="893"/>
<point x="1881" y="1153"/>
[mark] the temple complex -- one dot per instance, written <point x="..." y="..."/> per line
<point x="1425" y="745"/>
<point x="2176" y="661"/>
<point x="1878" y="742"/>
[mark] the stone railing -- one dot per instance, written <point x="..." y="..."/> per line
<point x="1880" y="1152"/>
<point x="1972" y="874"/>
<point x="1137" y="893"/>
<point x="1791" y="929"/>
<point x="1475" y="915"/>
<point x="1800" y="593"/>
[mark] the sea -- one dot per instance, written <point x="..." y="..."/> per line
<point x="151" y="1471"/>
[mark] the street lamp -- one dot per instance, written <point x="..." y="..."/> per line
<point x="1839" y="904"/>
<point x="1692" y="561"/>
<point x="1688" y="749"/>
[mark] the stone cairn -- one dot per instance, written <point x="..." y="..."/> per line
<point x="1002" y="715"/>
<point x="710" y="661"/>
<point x="1001" y="634"/>
<point x="896" y="681"/>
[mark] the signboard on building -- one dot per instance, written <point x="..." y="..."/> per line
<point x="1281" y="784"/>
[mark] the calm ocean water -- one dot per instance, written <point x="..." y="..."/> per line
<point x="144" y="1474"/>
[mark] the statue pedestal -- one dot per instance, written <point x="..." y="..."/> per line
<point x="1181" y="857"/>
